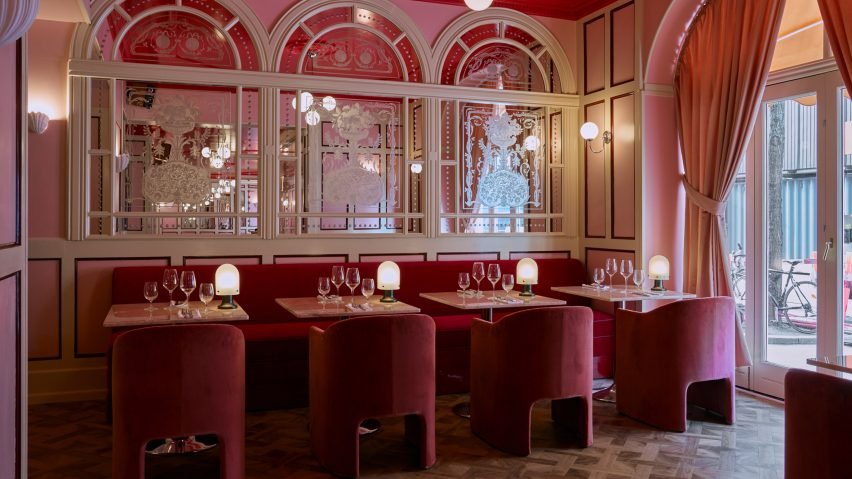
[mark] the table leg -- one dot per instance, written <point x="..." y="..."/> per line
<point x="603" y="392"/>
<point x="462" y="409"/>
<point x="183" y="445"/>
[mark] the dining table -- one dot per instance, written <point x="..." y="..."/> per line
<point x="605" y="387"/>
<point x="841" y="364"/>
<point x="313" y="307"/>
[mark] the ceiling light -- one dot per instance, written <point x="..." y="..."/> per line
<point x="477" y="5"/>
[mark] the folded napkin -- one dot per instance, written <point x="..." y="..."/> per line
<point x="358" y="307"/>
<point x="507" y="300"/>
<point x="189" y="313"/>
<point x="594" y="286"/>
<point x="469" y="293"/>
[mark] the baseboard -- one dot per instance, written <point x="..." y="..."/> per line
<point x="71" y="396"/>
<point x="64" y="385"/>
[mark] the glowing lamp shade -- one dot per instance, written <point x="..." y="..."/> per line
<point x="527" y="275"/>
<point x="227" y="285"/>
<point x="477" y="4"/>
<point x="589" y="131"/>
<point x="658" y="270"/>
<point x="388" y="279"/>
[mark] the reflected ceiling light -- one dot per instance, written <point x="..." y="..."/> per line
<point x="312" y="118"/>
<point x="477" y="5"/>
<point x="416" y="168"/>
<point x="329" y="103"/>
<point x="531" y="143"/>
<point x="589" y="131"/>
<point x="306" y="101"/>
<point x="310" y="106"/>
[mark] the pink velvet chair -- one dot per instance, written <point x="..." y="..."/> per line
<point x="678" y="353"/>
<point x="817" y="424"/>
<point x="173" y="381"/>
<point x="371" y="367"/>
<point x="543" y="353"/>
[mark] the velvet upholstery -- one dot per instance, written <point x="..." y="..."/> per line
<point x="527" y="356"/>
<point x="661" y="354"/>
<point x="277" y="344"/>
<point x="817" y="421"/>
<point x="370" y="367"/>
<point x="173" y="381"/>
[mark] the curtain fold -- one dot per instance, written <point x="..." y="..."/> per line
<point x="837" y="18"/>
<point x="719" y="83"/>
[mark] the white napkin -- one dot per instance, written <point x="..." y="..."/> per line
<point x="503" y="299"/>
<point x="469" y="293"/>
<point x="594" y="286"/>
<point x="189" y="313"/>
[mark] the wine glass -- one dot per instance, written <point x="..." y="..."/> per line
<point x="599" y="276"/>
<point x="151" y="293"/>
<point x="353" y="279"/>
<point x="368" y="286"/>
<point x="611" y="269"/>
<point x="464" y="282"/>
<point x="187" y="284"/>
<point x="205" y="294"/>
<point x="626" y="270"/>
<point x="478" y="275"/>
<point x="493" y="277"/>
<point x="508" y="283"/>
<point x="323" y="288"/>
<point x="337" y="278"/>
<point x="638" y="277"/>
<point x="170" y="282"/>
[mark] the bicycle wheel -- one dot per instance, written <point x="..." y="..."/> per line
<point x="800" y="306"/>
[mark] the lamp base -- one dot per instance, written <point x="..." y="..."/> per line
<point x="527" y="291"/>
<point x="388" y="297"/>
<point x="228" y="302"/>
<point x="658" y="285"/>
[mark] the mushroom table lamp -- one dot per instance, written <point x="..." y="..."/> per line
<point x="658" y="270"/>
<point x="227" y="285"/>
<point x="388" y="280"/>
<point x="527" y="274"/>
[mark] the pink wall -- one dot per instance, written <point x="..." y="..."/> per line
<point x="8" y="148"/>
<point x="44" y="311"/>
<point x="623" y="47"/>
<point x="468" y="256"/>
<point x="194" y="261"/>
<point x="47" y="189"/>
<point x="9" y="414"/>
<point x="595" y="178"/>
<point x="311" y="259"/>
<point x="594" y="58"/>
<point x="623" y="167"/>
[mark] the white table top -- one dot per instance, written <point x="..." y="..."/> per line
<point x="618" y="295"/>
<point x="455" y="300"/>
<point x="311" y="307"/>
<point x="835" y="363"/>
<point x="122" y="315"/>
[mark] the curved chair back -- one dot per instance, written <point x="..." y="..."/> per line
<point x="171" y="381"/>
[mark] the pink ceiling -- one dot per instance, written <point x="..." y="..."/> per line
<point x="567" y="9"/>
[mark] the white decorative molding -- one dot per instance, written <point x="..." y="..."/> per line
<point x="16" y="16"/>
<point x="37" y="122"/>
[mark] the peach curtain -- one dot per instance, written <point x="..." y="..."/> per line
<point x="719" y="83"/>
<point x="837" y="16"/>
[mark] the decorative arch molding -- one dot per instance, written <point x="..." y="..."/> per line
<point x="668" y="41"/>
<point x="292" y="21"/>
<point x="473" y="19"/>
<point x="85" y="44"/>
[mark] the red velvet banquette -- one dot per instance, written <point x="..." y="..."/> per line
<point x="277" y="344"/>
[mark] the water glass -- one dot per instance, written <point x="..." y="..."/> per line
<point x="464" y="282"/>
<point x="323" y="288"/>
<point x="638" y="277"/>
<point x="353" y="279"/>
<point x="508" y="283"/>
<point x="205" y="294"/>
<point x="599" y="276"/>
<point x="626" y="270"/>
<point x="337" y="278"/>
<point x="151" y="293"/>
<point x="368" y="287"/>
<point x="611" y="269"/>
<point x="493" y="277"/>
<point x="187" y="284"/>
<point x="478" y="275"/>
<point x="170" y="282"/>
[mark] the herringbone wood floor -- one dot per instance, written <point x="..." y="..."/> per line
<point x="72" y="440"/>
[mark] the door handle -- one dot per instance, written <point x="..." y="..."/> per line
<point x="828" y="246"/>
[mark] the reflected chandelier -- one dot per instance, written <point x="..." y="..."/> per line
<point x="310" y="107"/>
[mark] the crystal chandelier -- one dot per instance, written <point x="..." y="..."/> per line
<point x="310" y="107"/>
<point x="216" y="157"/>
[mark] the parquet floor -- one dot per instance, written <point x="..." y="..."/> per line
<point x="72" y="441"/>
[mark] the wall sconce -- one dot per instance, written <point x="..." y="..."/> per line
<point x="589" y="131"/>
<point x="121" y="162"/>
<point x="477" y="5"/>
<point x="310" y="107"/>
<point x="38" y="122"/>
<point x="388" y="280"/>
<point x="227" y="285"/>
<point x="658" y="270"/>
<point x="527" y="274"/>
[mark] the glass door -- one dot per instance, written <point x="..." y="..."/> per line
<point x="797" y="184"/>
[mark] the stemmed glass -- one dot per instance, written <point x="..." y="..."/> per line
<point x="626" y="270"/>
<point x="638" y="277"/>
<point x="337" y="278"/>
<point x="151" y="293"/>
<point x="353" y="279"/>
<point x="611" y="269"/>
<point x="368" y="286"/>
<point x="493" y="277"/>
<point x="478" y="275"/>
<point x="187" y="284"/>
<point x="205" y="294"/>
<point x="599" y="276"/>
<point x="464" y="282"/>
<point x="170" y="282"/>
<point x="323" y="288"/>
<point x="508" y="283"/>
